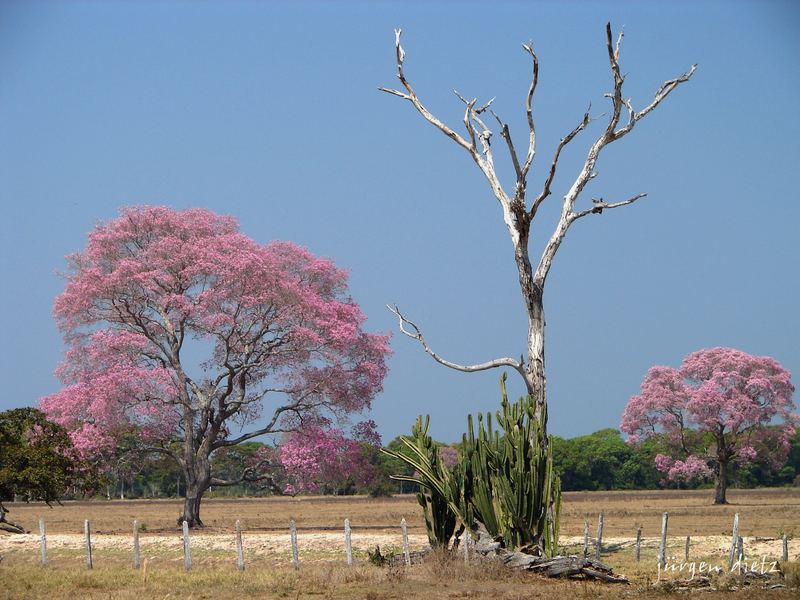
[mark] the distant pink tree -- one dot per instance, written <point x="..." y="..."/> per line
<point x="449" y="456"/>
<point x="318" y="459"/>
<point x="191" y="336"/>
<point x="721" y="407"/>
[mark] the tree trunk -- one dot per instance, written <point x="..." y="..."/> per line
<point x="532" y="295"/>
<point x="191" y="508"/>
<point x="197" y="474"/>
<point x="722" y="483"/>
<point x="534" y="369"/>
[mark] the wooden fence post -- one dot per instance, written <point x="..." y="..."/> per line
<point x="137" y="559"/>
<point x="637" y="552"/>
<point x="740" y="548"/>
<point x="406" y="553"/>
<point x="785" y="548"/>
<point x="239" y="547"/>
<point x="586" y="537"/>
<point x="662" y="548"/>
<point x="734" y="540"/>
<point x="686" y="549"/>
<point x="293" y="535"/>
<point x="348" y="543"/>
<point x="87" y="535"/>
<point x="187" y="549"/>
<point x="43" y="542"/>
<point x="599" y="535"/>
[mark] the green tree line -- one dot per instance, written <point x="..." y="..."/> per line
<point x="599" y="461"/>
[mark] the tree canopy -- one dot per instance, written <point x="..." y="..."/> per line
<point x="191" y="335"/>
<point x="721" y="407"/>
<point x="37" y="461"/>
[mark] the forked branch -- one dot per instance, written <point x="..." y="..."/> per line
<point x="411" y="96"/>
<point x="482" y="157"/>
<point x="416" y="334"/>
<point x="611" y="134"/>
<point x="554" y="165"/>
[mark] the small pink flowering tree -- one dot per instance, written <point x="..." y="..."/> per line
<point x="325" y="460"/>
<point x="190" y="335"/>
<point x="721" y="407"/>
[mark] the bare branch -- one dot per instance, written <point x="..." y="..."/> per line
<point x="664" y="91"/>
<point x="395" y="93"/>
<point x="485" y="107"/>
<point x="600" y="205"/>
<point x="416" y="334"/>
<point x="616" y="98"/>
<point x="470" y="106"/>
<point x="529" y="109"/>
<point x="511" y="215"/>
<point x="610" y="134"/>
<point x="619" y="41"/>
<point x="162" y="450"/>
<point x="252" y="474"/>
<point x="471" y="114"/>
<point x="554" y="165"/>
<point x="506" y="135"/>
<point x="412" y="96"/>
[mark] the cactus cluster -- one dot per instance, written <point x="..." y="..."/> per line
<point x="439" y="487"/>
<point x="504" y="479"/>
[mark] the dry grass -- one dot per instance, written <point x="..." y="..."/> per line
<point x="763" y="514"/>
<point x="439" y="579"/>
<point x="256" y="514"/>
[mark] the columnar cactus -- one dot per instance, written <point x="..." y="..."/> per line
<point x="439" y="488"/>
<point x="504" y="479"/>
<point x="514" y="492"/>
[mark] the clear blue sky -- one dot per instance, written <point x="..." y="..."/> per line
<point x="270" y="112"/>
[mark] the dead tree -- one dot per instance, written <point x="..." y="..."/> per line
<point x="518" y="209"/>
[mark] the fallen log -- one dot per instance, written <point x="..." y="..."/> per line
<point x="9" y="526"/>
<point x="573" y="567"/>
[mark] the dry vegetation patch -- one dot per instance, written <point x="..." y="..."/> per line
<point x="764" y="514"/>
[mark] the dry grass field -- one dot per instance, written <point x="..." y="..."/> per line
<point x="764" y="515"/>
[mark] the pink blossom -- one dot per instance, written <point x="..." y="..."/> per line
<point x="691" y="469"/>
<point x="747" y="454"/>
<point x="448" y="456"/>
<point x="317" y="458"/>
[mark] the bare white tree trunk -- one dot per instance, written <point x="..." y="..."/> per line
<point x="518" y="212"/>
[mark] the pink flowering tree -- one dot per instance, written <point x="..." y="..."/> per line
<point x="720" y="408"/>
<point x="325" y="460"/>
<point x="185" y="332"/>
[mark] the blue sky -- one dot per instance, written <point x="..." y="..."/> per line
<point x="270" y="112"/>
